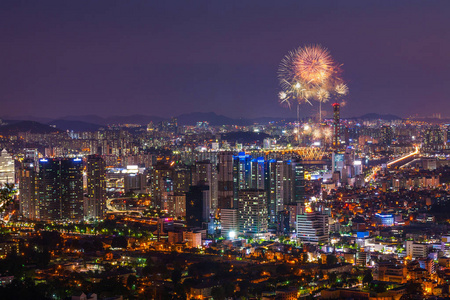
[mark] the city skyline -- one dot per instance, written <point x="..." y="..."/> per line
<point x="224" y="150"/>
<point x="166" y="59"/>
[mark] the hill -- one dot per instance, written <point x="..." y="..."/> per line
<point x="212" y="118"/>
<point x="374" y="116"/>
<point x="75" y="125"/>
<point x="133" y="119"/>
<point x="27" y="126"/>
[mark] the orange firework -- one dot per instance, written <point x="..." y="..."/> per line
<point x="314" y="64"/>
<point x="310" y="73"/>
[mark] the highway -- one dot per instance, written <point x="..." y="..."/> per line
<point x="404" y="159"/>
<point x="396" y="162"/>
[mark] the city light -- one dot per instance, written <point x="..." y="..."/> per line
<point x="147" y="154"/>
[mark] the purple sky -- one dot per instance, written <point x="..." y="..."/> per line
<point x="165" y="58"/>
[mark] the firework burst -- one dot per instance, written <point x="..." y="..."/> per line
<point x="284" y="99"/>
<point x="323" y="95"/>
<point x="327" y="132"/>
<point x="309" y="73"/>
<point x="317" y="134"/>
<point x="341" y="89"/>
<point x="314" y="64"/>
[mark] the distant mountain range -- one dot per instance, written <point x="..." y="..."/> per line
<point x="26" y="126"/>
<point x="373" y="116"/>
<point x="93" y="122"/>
<point x="75" y="125"/>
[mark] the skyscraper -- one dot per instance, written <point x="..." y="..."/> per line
<point x="298" y="177"/>
<point x="182" y="178"/>
<point x="7" y="168"/>
<point x="253" y="215"/>
<point x="198" y="203"/>
<point x="278" y="186"/>
<point x="336" y="126"/>
<point x="177" y="205"/>
<point x="225" y="180"/>
<point x="162" y="184"/>
<point x="205" y="172"/>
<point x="28" y="202"/>
<point x="271" y="189"/>
<point x="242" y="172"/>
<point x="60" y="189"/>
<point x="434" y="138"/>
<point x="258" y="171"/>
<point x="96" y="187"/>
<point x="387" y="135"/>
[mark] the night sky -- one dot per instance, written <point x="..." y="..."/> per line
<point x="164" y="58"/>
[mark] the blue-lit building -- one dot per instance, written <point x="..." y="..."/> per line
<point x="258" y="173"/>
<point x="283" y="181"/>
<point x="242" y="174"/>
<point x="385" y="219"/>
<point x="60" y="189"/>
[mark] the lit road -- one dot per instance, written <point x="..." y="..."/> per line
<point x="372" y="175"/>
<point x="376" y="169"/>
<point x="403" y="158"/>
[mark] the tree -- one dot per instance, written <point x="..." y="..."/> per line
<point x="282" y="269"/>
<point x="176" y="276"/>
<point x="119" y="242"/>
<point x="218" y="293"/>
<point x="332" y="277"/>
<point x="368" y="278"/>
<point x="344" y="277"/>
<point x="110" y="287"/>
<point x="414" y="288"/>
<point x="380" y="287"/>
<point x="331" y="260"/>
<point x="131" y="281"/>
<point x="228" y="288"/>
<point x="12" y="264"/>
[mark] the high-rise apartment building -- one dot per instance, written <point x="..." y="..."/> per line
<point x="60" y="189"/>
<point x="434" y="138"/>
<point x="336" y="126"/>
<point x="253" y="214"/>
<point x="271" y="189"/>
<point x="204" y="172"/>
<point x="258" y="173"/>
<point x="387" y="135"/>
<point x="162" y="185"/>
<point x="95" y="203"/>
<point x="28" y="193"/>
<point x="225" y="180"/>
<point x="198" y="205"/>
<point x="177" y="205"/>
<point x="298" y="178"/>
<point x="182" y="178"/>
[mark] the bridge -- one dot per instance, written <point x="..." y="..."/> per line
<point x="398" y="162"/>
<point x="306" y="153"/>
<point x="404" y="159"/>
